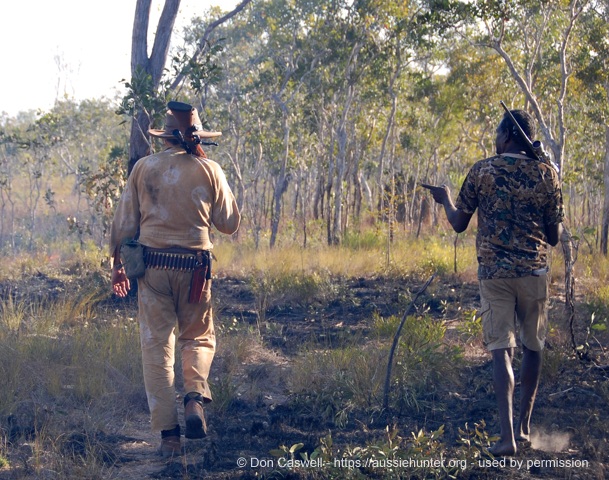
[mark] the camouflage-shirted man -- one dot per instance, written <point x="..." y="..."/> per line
<point x="520" y="211"/>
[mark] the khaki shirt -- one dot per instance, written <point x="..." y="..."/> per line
<point x="174" y="198"/>
<point x="516" y="198"/>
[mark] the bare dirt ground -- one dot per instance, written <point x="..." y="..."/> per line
<point x="570" y="419"/>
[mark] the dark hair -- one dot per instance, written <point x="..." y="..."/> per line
<point x="191" y="147"/>
<point x="524" y="120"/>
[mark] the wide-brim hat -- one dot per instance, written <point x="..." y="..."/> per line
<point x="185" y="118"/>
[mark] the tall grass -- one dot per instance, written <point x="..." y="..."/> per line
<point x="65" y="363"/>
<point x="408" y="256"/>
<point x="47" y="354"/>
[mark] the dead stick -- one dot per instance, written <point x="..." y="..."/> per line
<point x="396" y="339"/>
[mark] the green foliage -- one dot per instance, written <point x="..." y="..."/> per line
<point x="422" y="455"/>
<point x="142" y="96"/>
<point x="104" y="188"/>
<point x="332" y="383"/>
<point x="423" y="358"/>
<point x="367" y="240"/>
<point x="598" y="305"/>
<point x="202" y="73"/>
<point x="471" y="326"/>
<point x="474" y="443"/>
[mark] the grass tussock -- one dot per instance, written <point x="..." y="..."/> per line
<point x="336" y="381"/>
<point x="60" y="355"/>
<point x="424" y="359"/>
<point x="68" y="339"/>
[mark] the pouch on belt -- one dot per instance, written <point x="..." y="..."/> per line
<point x="132" y="258"/>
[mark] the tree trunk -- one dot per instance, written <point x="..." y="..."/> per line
<point x="139" y="143"/>
<point x="282" y="181"/>
<point x="341" y="159"/>
<point x="605" y="220"/>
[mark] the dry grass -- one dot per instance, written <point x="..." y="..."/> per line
<point x="403" y="258"/>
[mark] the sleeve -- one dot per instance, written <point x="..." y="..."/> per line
<point x="126" y="216"/>
<point x="225" y="213"/>
<point x="554" y="209"/>
<point x="467" y="201"/>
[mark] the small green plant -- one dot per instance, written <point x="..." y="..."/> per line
<point x="473" y="443"/>
<point x="225" y="393"/>
<point x="471" y="326"/>
<point x="422" y="359"/>
<point x="422" y="456"/>
<point x="287" y="452"/>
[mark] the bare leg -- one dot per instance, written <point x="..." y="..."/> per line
<point x="530" y="372"/>
<point x="503" y="379"/>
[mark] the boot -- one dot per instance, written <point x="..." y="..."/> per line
<point x="194" y="416"/>
<point x="171" y="444"/>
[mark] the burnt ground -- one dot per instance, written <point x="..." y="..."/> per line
<point x="570" y="420"/>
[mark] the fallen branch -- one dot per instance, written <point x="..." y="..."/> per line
<point x="396" y="339"/>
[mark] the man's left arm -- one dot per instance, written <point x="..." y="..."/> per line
<point x="554" y="213"/>
<point x="225" y="213"/>
<point x="553" y="233"/>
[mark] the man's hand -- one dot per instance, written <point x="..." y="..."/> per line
<point x="458" y="219"/>
<point x="440" y="194"/>
<point x="120" y="282"/>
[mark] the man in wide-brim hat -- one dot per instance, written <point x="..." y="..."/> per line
<point x="171" y="201"/>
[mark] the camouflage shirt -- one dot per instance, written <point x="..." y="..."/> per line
<point x="516" y="198"/>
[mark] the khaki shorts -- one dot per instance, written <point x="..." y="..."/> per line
<point x="507" y="301"/>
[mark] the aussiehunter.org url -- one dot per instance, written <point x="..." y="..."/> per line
<point x="406" y="463"/>
<point x="368" y="463"/>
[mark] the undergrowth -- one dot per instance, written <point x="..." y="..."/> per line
<point x="70" y="362"/>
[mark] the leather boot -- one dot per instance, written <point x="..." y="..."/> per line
<point x="171" y="444"/>
<point x="194" y="416"/>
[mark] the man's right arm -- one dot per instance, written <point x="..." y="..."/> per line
<point x="458" y="219"/>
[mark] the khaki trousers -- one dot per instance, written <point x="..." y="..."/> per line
<point x="163" y="305"/>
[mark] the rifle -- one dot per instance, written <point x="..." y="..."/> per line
<point x="535" y="148"/>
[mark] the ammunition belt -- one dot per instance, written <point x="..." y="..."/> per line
<point x="172" y="259"/>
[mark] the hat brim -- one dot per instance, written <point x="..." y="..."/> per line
<point x="199" y="133"/>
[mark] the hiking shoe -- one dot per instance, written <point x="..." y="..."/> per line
<point x="171" y="445"/>
<point x="194" y="417"/>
